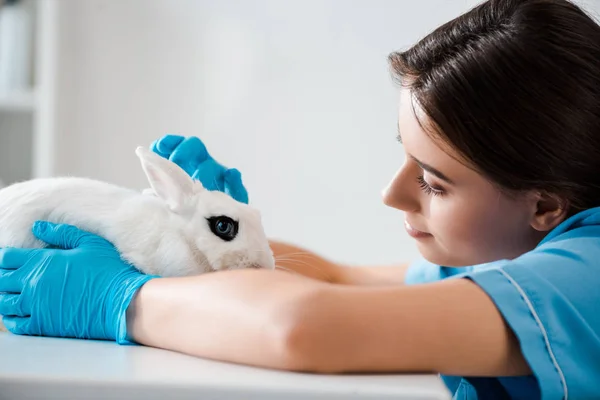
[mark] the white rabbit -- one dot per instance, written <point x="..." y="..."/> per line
<point x="182" y="229"/>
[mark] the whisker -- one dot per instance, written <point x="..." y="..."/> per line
<point x="314" y="267"/>
<point x="298" y="255"/>
<point x="287" y="269"/>
<point x="294" y="260"/>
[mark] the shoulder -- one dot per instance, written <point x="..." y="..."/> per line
<point x="549" y="297"/>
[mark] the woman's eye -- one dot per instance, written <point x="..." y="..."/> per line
<point x="223" y="227"/>
<point x="427" y="188"/>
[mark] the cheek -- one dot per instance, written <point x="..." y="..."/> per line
<point x="472" y="232"/>
<point x="451" y="220"/>
<point x="465" y="232"/>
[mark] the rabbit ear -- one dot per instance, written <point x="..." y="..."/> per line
<point x="166" y="178"/>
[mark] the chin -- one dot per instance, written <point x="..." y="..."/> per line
<point x="438" y="257"/>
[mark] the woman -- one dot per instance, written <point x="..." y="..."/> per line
<point x="500" y="121"/>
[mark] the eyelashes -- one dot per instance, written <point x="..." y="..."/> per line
<point x="427" y="188"/>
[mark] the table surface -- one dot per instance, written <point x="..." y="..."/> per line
<point x="53" y="368"/>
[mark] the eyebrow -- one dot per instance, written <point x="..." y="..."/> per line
<point x="431" y="170"/>
<point x="427" y="167"/>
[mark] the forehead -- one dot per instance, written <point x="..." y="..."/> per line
<point x="419" y="140"/>
<point x="412" y="123"/>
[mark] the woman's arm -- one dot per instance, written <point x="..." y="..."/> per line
<point x="285" y="321"/>
<point x="296" y="259"/>
<point x="242" y="316"/>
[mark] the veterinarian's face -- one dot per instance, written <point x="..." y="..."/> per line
<point x="457" y="217"/>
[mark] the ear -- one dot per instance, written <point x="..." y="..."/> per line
<point x="167" y="179"/>
<point x="550" y="211"/>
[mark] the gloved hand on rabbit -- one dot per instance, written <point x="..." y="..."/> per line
<point x="80" y="289"/>
<point x="191" y="155"/>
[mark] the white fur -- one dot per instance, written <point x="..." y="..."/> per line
<point x="166" y="233"/>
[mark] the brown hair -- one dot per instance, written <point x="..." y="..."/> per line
<point x="514" y="87"/>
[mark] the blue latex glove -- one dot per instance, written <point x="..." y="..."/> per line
<point x="81" y="288"/>
<point x="191" y="155"/>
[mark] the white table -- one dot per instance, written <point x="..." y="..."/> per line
<point x="51" y="368"/>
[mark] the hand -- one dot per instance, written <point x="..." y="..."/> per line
<point x="80" y="289"/>
<point x="191" y="155"/>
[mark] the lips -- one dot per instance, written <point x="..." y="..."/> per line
<point x="413" y="232"/>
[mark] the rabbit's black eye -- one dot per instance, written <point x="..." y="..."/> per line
<point x="224" y="227"/>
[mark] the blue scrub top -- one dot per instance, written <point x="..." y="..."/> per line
<point x="550" y="297"/>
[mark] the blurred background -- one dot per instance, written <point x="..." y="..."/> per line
<point x="296" y="94"/>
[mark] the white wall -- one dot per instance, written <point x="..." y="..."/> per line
<point x="296" y="94"/>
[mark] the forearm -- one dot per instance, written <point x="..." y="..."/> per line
<point x="243" y="316"/>
<point x="450" y="327"/>
<point x="296" y="259"/>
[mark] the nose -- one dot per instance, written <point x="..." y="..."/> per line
<point x="402" y="192"/>
<point x="261" y="266"/>
<point x="266" y="261"/>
